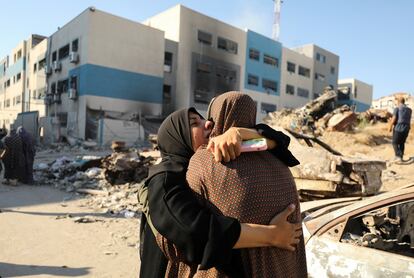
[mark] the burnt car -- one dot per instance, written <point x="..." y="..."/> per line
<point x="361" y="237"/>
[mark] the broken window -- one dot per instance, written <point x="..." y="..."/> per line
<point x="53" y="88"/>
<point x="201" y="96"/>
<point x="64" y="52"/>
<point x="203" y="67"/>
<point x="290" y="90"/>
<point x="267" y="108"/>
<point x="269" y="84"/>
<point x="304" y="71"/>
<point x="303" y="92"/>
<point x="389" y="228"/>
<point x="166" y="94"/>
<point x="62" y="86"/>
<point x="291" y="67"/>
<point x="42" y="63"/>
<point x="253" y="80"/>
<point x="75" y="44"/>
<point x="270" y="60"/>
<point x="168" y="57"/>
<point x="254" y="54"/>
<point x="227" y="45"/>
<point x="204" y="37"/>
<point x="319" y="76"/>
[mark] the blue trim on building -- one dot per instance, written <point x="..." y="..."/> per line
<point x="108" y="82"/>
<point x="17" y="67"/>
<point x="258" y="68"/>
<point x="359" y="106"/>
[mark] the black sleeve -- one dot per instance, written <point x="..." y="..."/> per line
<point x="282" y="143"/>
<point x="203" y="237"/>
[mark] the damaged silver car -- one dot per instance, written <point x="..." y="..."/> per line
<point x="354" y="237"/>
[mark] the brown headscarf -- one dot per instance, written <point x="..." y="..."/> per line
<point x="232" y="109"/>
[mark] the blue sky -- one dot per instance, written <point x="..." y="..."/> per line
<point x="374" y="38"/>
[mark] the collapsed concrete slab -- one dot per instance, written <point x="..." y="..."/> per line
<point x="326" y="173"/>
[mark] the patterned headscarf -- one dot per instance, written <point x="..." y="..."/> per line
<point x="232" y="109"/>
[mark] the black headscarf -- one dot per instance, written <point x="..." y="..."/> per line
<point x="174" y="142"/>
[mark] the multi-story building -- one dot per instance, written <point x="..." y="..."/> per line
<point x="102" y="66"/>
<point x="214" y="57"/>
<point x="297" y="79"/>
<point x="325" y="66"/>
<point x="389" y="102"/>
<point x="355" y="93"/>
<point x="21" y="84"/>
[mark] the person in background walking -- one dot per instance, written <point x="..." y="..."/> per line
<point x="13" y="158"/>
<point x="400" y="126"/>
<point x="29" y="153"/>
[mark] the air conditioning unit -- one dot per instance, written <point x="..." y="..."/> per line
<point x="72" y="94"/>
<point x="48" y="70"/>
<point x="73" y="57"/>
<point x="57" y="66"/>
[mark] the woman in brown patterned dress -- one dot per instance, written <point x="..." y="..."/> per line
<point x="251" y="189"/>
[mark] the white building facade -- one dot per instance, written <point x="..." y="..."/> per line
<point x="355" y="93"/>
<point x="22" y="86"/>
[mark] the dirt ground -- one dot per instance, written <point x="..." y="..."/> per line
<point x="374" y="141"/>
<point x="40" y="238"/>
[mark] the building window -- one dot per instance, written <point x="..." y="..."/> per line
<point x="7" y="83"/>
<point x="315" y="95"/>
<point x="168" y="57"/>
<point x="54" y="56"/>
<point x="355" y="92"/>
<point x="225" y="79"/>
<point x="291" y="67"/>
<point x="64" y="52"/>
<point x="304" y="71"/>
<point x="303" y="93"/>
<point x="19" y="54"/>
<point x="166" y="94"/>
<point x="7" y="103"/>
<point x="62" y="86"/>
<point x="253" y="80"/>
<point x="332" y="70"/>
<point x="269" y="85"/>
<point x="53" y="88"/>
<point x="267" y="108"/>
<point x="319" y="76"/>
<point x="320" y="58"/>
<point x="201" y="96"/>
<point x="35" y="67"/>
<point x="270" y="60"/>
<point x="203" y="67"/>
<point x="34" y="96"/>
<point x="18" y="77"/>
<point x="75" y="45"/>
<point x="27" y="82"/>
<point x="18" y="100"/>
<point x="254" y="54"/>
<point x="42" y="63"/>
<point x="205" y="38"/>
<point x="73" y="82"/>
<point x="227" y="45"/>
<point x="290" y="90"/>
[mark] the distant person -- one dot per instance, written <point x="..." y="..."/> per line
<point x="400" y="125"/>
<point x="13" y="158"/>
<point x="29" y="153"/>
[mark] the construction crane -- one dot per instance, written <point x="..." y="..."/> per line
<point x="276" y="19"/>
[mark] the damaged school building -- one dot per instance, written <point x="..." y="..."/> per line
<point x="101" y="77"/>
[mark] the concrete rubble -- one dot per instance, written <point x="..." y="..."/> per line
<point x="111" y="181"/>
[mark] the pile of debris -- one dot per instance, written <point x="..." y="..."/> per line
<point x="326" y="173"/>
<point x="113" y="180"/>
<point x="321" y="114"/>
